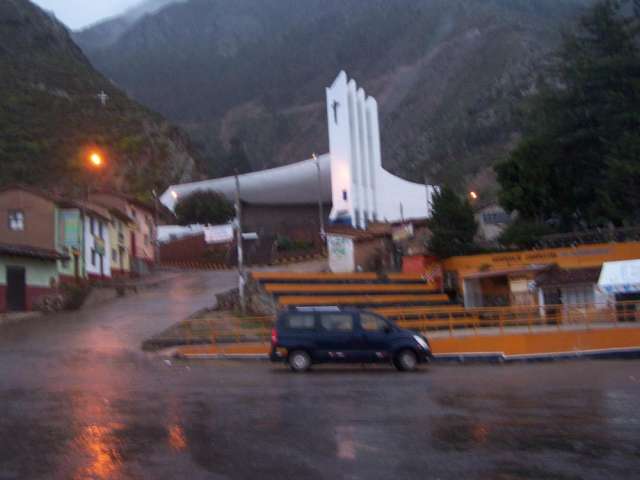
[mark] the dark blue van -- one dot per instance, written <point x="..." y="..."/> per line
<point x="304" y="336"/>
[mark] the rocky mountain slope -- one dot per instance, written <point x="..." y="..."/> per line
<point x="449" y="75"/>
<point x="51" y="115"/>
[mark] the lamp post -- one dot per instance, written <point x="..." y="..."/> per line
<point x="155" y="219"/>
<point x="243" y="302"/>
<point x="320" y="205"/>
<point x="95" y="162"/>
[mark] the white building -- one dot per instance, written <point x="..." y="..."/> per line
<point x="97" y="244"/>
<point x="350" y="177"/>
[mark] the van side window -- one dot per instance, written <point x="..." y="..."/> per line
<point x="337" y="322"/>
<point x="300" y="321"/>
<point x="372" y="323"/>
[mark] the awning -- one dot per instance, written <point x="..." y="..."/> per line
<point x="620" y="277"/>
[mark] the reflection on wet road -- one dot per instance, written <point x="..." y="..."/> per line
<point x="78" y="400"/>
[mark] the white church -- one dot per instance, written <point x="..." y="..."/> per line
<point x="350" y="178"/>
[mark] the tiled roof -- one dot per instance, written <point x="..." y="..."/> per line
<point x="30" y="252"/>
<point x="127" y="198"/>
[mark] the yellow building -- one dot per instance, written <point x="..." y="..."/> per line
<point x="567" y="276"/>
<point x="120" y="229"/>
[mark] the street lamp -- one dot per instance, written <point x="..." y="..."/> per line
<point x="320" y="206"/>
<point x="96" y="159"/>
<point x="473" y="195"/>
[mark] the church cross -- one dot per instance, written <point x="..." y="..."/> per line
<point x="103" y="97"/>
<point x="335" y="106"/>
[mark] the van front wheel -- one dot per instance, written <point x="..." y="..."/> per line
<point x="299" y="361"/>
<point x="406" y="360"/>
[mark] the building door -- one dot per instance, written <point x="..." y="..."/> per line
<point x="16" y="289"/>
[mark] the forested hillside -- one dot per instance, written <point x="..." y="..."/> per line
<point x="449" y="75"/>
<point x="51" y="115"/>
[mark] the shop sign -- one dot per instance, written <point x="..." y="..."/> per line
<point x="218" y="234"/>
<point x="341" y="255"/>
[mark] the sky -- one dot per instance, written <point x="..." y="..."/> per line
<point x="81" y="13"/>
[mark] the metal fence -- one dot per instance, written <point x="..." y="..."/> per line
<point x="529" y="317"/>
<point x="457" y="319"/>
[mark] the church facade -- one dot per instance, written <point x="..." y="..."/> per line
<point x="349" y="180"/>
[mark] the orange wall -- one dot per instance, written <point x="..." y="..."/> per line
<point x="583" y="256"/>
<point x="539" y="343"/>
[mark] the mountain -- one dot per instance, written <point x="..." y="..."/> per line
<point x="108" y="31"/>
<point x="450" y="76"/>
<point x="51" y="115"/>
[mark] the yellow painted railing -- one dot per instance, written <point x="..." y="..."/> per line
<point x="520" y="316"/>
<point x="475" y="320"/>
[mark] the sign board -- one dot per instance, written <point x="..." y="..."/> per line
<point x="98" y="245"/>
<point x="218" y="234"/>
<point x="519" y="285"/>
<point x="71" y="228"/>
<point x="341" y="256"/>
<point x="581" y="256"/>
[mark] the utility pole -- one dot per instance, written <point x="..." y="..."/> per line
<point x="428" y="191"/>
<point x="243" y="301"/>
<point x="320" y="205"/>
<point x="155" y="219"/>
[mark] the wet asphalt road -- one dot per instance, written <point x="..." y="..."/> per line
<point x="78" y="399"/>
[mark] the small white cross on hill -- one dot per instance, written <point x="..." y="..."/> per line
<point x="103" y="97"/>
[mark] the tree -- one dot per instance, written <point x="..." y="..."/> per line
<point x="524" y="234"/>
<point x="579" y="155"/>
<point x="452" y="225"/>
<point x="204" y="207"/>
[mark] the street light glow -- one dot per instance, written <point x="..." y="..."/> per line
<point x="174" y="194"/>
<point x="473" y="195"/>
<point x="96" y="159"/>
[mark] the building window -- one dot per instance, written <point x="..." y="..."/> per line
<point x="92" y="226"/>
<point x="578" y="295"/>
<point x="114" y="254"/>
<point x="146" y="239"/>
<point x="100" y="226"/>
<point x="93" y="257"/>
<point x="16" y="220"/>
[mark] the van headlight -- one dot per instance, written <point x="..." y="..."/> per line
<point x="420" y="341"/>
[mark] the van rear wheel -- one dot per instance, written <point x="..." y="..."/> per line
<point x="406" y="360"/>
<point x="299" y="361"/>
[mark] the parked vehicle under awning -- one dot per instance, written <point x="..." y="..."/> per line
<point x="620" y="277"/>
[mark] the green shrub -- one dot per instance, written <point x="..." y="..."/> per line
<point x="75" y="294"/>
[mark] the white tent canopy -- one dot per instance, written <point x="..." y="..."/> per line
<point x="620" y="277"/>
